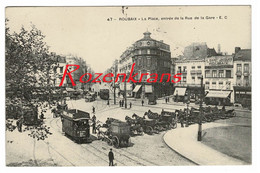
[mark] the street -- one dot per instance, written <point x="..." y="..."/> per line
<point x="59" y="150"/>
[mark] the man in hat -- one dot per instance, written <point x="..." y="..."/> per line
<point x="111" y="157"/>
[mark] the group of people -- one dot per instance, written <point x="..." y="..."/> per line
<point x="167" y="99"/>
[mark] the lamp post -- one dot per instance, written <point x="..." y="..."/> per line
<point x="201" y="111"/>
<point x="125" y="93"/>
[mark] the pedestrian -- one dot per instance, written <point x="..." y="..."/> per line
<point x="94" y="127"/>
<point x="42" y="116"/>
<point x="142" y="102"/>
<point x="123" y="103"/>
<point x="111" y="157"/>
<point x="181" y="116"/>
<point x="130" y="105"/>
<point x="93" y="109"/>
<point x="166" y="100"/>
<point x="120" y="102"/>
<point x="108" y="102"/>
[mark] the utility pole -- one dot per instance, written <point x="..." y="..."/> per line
<point x="201" y="111"/>
<point x="115" y="74"/>
<point x="125" y="93"/>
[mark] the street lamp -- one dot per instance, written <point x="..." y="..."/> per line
<point x="201" y="111"/>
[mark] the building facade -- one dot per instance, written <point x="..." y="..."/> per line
<point x="152" y="56"/>
<point x="219" y="80"/>
<point x="242" y="76"/>
<point x="192" y="67"/>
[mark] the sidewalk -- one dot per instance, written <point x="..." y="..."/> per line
<point x="184" y="141"/>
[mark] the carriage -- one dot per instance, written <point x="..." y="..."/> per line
<point x="149" y="126"/>
<point x="75" y="125"/>
<point x="169" y="118"/>
<point x="115" y="132"/>
<point x="135" y="126"/>
<point x="60" y="108"/>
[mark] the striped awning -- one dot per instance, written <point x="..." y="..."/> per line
<point x="148" y="88"/>
<point x="179" y="91"/>
<point x="137" y="88"/>
<point x="218" y="94"/>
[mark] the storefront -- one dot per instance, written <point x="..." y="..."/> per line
<point x="242" y="95"/>
<point x="179" y="94"/>
<point x="218" y="97"/>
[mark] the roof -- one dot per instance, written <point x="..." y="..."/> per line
<point x="243" y="54"/>
<point x="76" y="114"/>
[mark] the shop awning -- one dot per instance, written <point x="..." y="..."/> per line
<point x="218" y="94"/>
<point x="137" y="88"/>
<point x="148" y="89"/>
<point x="70" y="90"/>
<point x="179" y="91"/>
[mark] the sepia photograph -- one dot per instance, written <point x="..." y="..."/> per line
<point x="128" y="86"/>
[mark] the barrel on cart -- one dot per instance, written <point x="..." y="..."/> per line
<point x="75" y="125"/>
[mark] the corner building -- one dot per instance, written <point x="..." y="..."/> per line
<point x="151" y="56"/>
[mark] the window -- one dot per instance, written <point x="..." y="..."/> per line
<point x="179" y="69"/>
<point x="184" y="69"/>
<point x="193" y="67"/>
<point x="148" y="61"/>
<point x="61" y="69"/>
<point x="220" y="85"/>
<point x="239" y="68"/>
<point x="214" y="73"/>
<point x="148" y="51"/>
<point x="238" y="80"/>
<point x="193" y="80"/>
<point x="228" y="73"/>
<point x="213" y="85"/>
<point x="221" y="73"/>
<point x="139" y="61"/>
<point x="246" y="67"/>
<point x="207" y="73"/>
<point x="199" y="67"/>
<point x="228" y="85"/>
<point x="139" y="52"/>
<point x="246" y="81"/>
<point x="207" y="85"/>
<point x="184" y="79"/>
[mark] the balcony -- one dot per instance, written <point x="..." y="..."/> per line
<point x="246" y="73"/>
<point x="239" y="73"/>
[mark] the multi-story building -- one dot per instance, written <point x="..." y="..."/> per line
<point x="242" y="75"/>
<point x="78" y="73"/>
<point x="59" y="70"/>
<point x="192" y="67"/>
<point x="219" y="80"/>
<point x="124" y="66"/>
<point x="151" y="56"/>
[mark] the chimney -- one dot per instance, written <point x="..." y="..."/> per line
<point x="219" y="49"/>
<point x="161" y="41"/>
<point x="237" y="49"/>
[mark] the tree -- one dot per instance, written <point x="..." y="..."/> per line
<point x="29" y="65"/>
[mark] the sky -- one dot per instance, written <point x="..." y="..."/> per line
<point x="86" y="32"/>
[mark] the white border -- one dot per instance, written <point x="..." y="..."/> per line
<point x="256" y="82"/>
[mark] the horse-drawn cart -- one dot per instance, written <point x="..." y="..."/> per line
<point x="116" y="133"/>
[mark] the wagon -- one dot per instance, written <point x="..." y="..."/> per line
<point x="115" y="132"/>
<point x="75" y="125"/>
<point x="135" y="126"/>
<point x="170" y="118"/>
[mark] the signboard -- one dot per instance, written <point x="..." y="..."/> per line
<point x="219" y="61"/>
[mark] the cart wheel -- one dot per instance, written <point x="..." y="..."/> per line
<point x="234" y="114"/>
<point x="141" y="131"/>
<point x="149" y="130"/>
<point x="116" y="141"/>
<point x="109" y="142"/>
<point x="129" y="142"/>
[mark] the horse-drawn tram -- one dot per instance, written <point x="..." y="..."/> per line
<point x="75" y="124"/>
